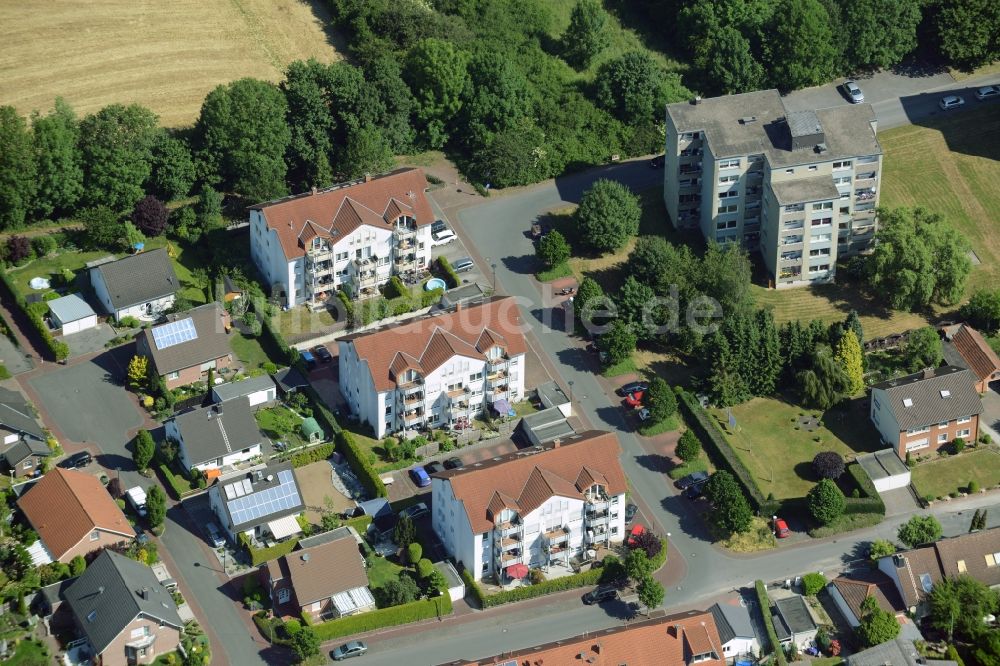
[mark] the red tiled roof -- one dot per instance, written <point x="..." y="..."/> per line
<point x="378" y="202"/>
<point x="856" y="587"/>
<point x="325" y="570"/>
<point x="431" y="340"/>
<point x="980" y="357"/>
<point x="532" y="478"/>
<point x="976" y="554"/>
<point x="66" y="505"/>
<point x="664" y="641"/>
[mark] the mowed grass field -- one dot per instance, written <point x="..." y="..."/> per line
<point x="951" y="165"/>
<point x="164" y="55"/>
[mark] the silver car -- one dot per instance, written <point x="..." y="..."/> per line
<point x="988" y="92"/>
<point x="464" y="264"/>
<point x="951" y="102"/>
<point x="348" y="650"/>
<point x="854" y="92"/>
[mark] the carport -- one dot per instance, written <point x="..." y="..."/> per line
<point x="72" y="314"/>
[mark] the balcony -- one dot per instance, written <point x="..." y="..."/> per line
<point x="413" y="398"/>
<point x="508" y="559"/>
<point x="510" y="529"/>
<point x="507" y="544"/>
<point x="864" y="195"/>
<point x="496" y="378"/>
<point x="557" y="535"/>
<point x="413" y="417"/>
<point x="404" y="233"/>
<point x="410" y="385"/>
<point x="690" y="169"/>
<point x="691" y="152"/>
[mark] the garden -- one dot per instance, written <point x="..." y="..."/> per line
<point x="970" y="471"/>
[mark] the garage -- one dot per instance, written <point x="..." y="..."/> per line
<point x="72" y="314"/>
<point x="886" y="470"/>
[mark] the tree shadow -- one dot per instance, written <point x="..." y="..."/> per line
<point x="805" y="471"/>
<point x="655" y="462"/>
<point x="850" y="423"/>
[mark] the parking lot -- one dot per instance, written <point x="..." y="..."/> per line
<point x="456" y="250"/>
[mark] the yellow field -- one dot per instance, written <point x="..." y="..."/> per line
<point x="164" y="55"/>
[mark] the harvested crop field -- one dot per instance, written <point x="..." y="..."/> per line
<point x="164" y="55"/>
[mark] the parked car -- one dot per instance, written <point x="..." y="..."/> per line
<point x="644" y="414"/>
<point x="433" y="467"/>
<point x="695" y="491"/>
<point x="691" y="479"/>
<point x="352" y="512"/>
<point x="454" y="463"/>
<point x="323" y="353"/>
<point x="416" y="511"/>
<point x="419" y="476"/>
<point x="599" y="594"/>
<point x="77" y="460"/>
<point x="634" y="399"/>
<point x="630" y="511"/>
<point x="951" y="102"/>
<point x="781" y="529"/>
<point x="214" y="536"/>
<point x="853" y="92"/>
<point x="463" y="265"/>
<point x="137" y="500"/>
<point x="988" y="92"/>
<point x="308" y="359"/>
<point x="634" y="533"/>
<point x="348" y="650"/>
<point x="632" y="387"/>
<point x="657" y="162"/>
<point x="442" y="237"/>
<point x="438" y="225"/>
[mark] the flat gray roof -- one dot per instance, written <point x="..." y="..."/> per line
<point x="800" y="190"/>
<point x="70" y="308"/>
<point x="882" y="464"/>
<point x="551" y="395"/>
<point x="758" y="123"/>
<point x="243" y="387"/>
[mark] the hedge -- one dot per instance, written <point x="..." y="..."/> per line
<point x="315" y="454"/>
<point x="661" y="557"/>
<point x="448" y="273"/>
<point x="870" y="502"/>
<point x="288" y="354"/>
<point x="414" y="611"/>
<point x="268" y="628"/>
<point x="359" y="462"/>
<point x="429" y="298"/>
<point x="395" y="288"/>
<point x="471" y="586"/>
<point x="772" y="636"/>
<point x="58" y="349"/>
<point x="717" y="446"/>
<point x="590" y="577"/>
<point x="260" y="555"/>
<point x="179" y="484"/>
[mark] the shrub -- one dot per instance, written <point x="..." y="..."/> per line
<point x="315" y="454"/>
<point x="44" y="245"/>
<point x="448" y="273"/>
<point x="825" y="501"/>
<point x="828" y="465"/>
<point x="150" y="216"/>
<point x="536" y="576"/>
<point x="973" y="486"/>
<point x="958" y="445"/>
<point x="688" y="447"/>
<point x="648" y="542"/>
<point x="572" y="582"/>
<point x="765" y="606"/>
<point x="424" y="568"/>
<point x="436" y="607"/>
<point x="812" y="583"/>
<point x="292" y="626"/>
<point x="414" y="552"/>
<point x="395" y="288"/>
<point x="18" y="249"/>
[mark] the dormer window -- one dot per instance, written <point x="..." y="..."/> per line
<point x="596" y="492"/>
<point x="945" y="393"/>
<point x="907" y="402"/>
<point x="495" y="353"/>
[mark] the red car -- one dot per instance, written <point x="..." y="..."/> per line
<point x="636" y="531"/>
<point x="634" y="399"/>
<point x="781" y="528"/>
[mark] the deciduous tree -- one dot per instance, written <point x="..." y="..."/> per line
<point x="660" y="400"/>
<point x="150" y="216"/>
<point x="18" y="249"/>
<point x="17" y="169"/>
<point x="117" y="148"/>
<point x="367" y="151"/>
<point x="850" y="360"/>
<point x="828" y="465"/>
<point x="311" y="122"/>
<point x="883" y="32"/>
<point x="637" y="565"/>
<point x="102" y="227"/>
<point x="651" y="593"/>
<point x="608" y="215"/>
<point x="958" y="605"/>
<point x="618" y="343"/>
<point x="967" y="32"/>
<point x="919" y="530"/>
<point x="637" y="306"/>
<point x="59" y="167"/>
<point x="173" y="167"/>
<point x="824" y="383"/>
<point x="728" y="65"/>
<point x="634" y="87"/>
<point x="514" y="156"/>
<point x="923" y="349"/>
<point x="688" y="447"/>
<point x="500" y="99"/>
<point x="306" y="644"/>
<point x="436" y="72"/>
<point x="877" y="625"/>
<point x="880" y="548"/>
<point x="731" y="509"/>
<point x="801" y="47"/>
<point x="983" y="310"/>
<point x="553" y="249"/>
<point x="586" y="35"/>
<point x="826" y="502"/>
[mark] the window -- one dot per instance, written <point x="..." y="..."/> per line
<point x="826" y="205"/>
<point x="28" y="464"/>
<point x="964" y="419"/>
<point x="789" y="171"/>
<point x="728" y="195"/>
<point x="991" y="559"/>
<point x="95" y="535"/>
<point x="919" y="444"/>
<point x="341" y="256"/>
<point x="813" y="168"/>
<point x="727" y="209"/>
<point x="841" y="180"/>
<point x="614" y="530"/>
<point x="388" y="409"/>
<point x="822" y="221"/>
<point x="820" y="268"/>
<point x="942" y="438"/>
<point x="961" y="566"/>
<point x="91" y="616"/>
<point x="821" y="238"/>
<point x="822" y="252"/>
<point x="964" y="433"/>
<point x="943" y="424"/>
<point x="842" y="165"/>
<point x="729" y="164"/>
<point x="731" y="224"/>
<point x="173" y="375"/>
<point x="918" y="431"/>
<point x="728" y="179"/>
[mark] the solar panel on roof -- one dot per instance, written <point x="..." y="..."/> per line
<point x="253" y="506"/>
<point x="230" y="493"/>
<point x="174" y="333"/>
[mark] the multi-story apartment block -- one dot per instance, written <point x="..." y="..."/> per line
<point x="535" y="507"/>
<point x="438" y="370"/>
<point x="799" y="187"/>
<point x="927" y="410"/>
<point x="353" y="236"/>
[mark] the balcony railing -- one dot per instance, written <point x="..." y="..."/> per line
<point x="413" y="398"/>
<point x="507" y="559"/>
<point x="557" y="535"/>
<point x="508" y="528"/>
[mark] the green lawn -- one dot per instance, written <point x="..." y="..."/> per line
<point x="699" y="464"/>
<point x="282" y="424"/>
<point x="780" y="456"/>
<point x="618" y="369"/>
<point x="666" y="425"/>
<point x="29" y="653"/>
<point x="381" y="571"/>
<point x="938" y="478"/>
<point x="561" y="271"/>
<point x="298" y="323"/>
<point x="248" y="350"/>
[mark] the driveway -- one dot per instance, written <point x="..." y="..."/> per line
<point x="87" y="403"/>
<point x="989" y="420"/>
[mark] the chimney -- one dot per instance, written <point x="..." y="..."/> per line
<point x="100" y="590"/>
<point x="556" y="442"/>
<point x="458" y="306"/>
<point x="928" y="373"/>
<point x="144" y="593"/>
<point x="697" y="99"/>
<point x="305" y="557"/>
<point x="314" y="190"/>
<point x="368" y="177"/>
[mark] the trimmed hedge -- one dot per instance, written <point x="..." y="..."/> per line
<point x="359" y="462"/>
<point x="871" y="502"/>
<point x="448" y="273"/>
<point x="57" y="348"/>
<point x="661" y="557"/>
<point x="260" y="555"/>
<point x="268" y="628"/>
<point x="772" y="636"/>
<point x="181" y="486"/>
<point x="471" y="586"/>
<point x="590" y="577"/>
<point x="429" y="298"/>
<point x="267" y="330"/>
<point x="315" y="454"/>
<point x="717" y="446"/>
<point x="414" y="611"/>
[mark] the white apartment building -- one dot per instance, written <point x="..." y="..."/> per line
<point x="536" y="507"/>
<point x="352" y="236"/>
<point x="435" y="371"/>
<point x="799" y="187"/>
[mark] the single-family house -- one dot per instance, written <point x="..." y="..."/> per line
<point x="25" y="446"/>
<point x="216" y="436"/>
<point x="928" y="410"/>
<point x="535" y="506"/>
<point x="262" y="503"/>
<point x="965" y="347"/>
<point x="736" y="632"/>
<point x="258" y="390"/>
<point x="124" y="613"/>
<point x="71" y="314"/>
<point x="184" y="349"/>
<point x="352" y="236"/>
<point x="681" y="639"/>
<point x="438" y="370"/>
<point x="914" y="572"/>
<point x="73" y="515"/>
<point x="325" y="579"/>
<point x="899" y="651"/>
<point x="793" y="623"/>
<point x="849" y="591"/>
<point x="141" y="285"/>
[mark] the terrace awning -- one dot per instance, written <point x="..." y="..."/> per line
<point x="284" y="527"/>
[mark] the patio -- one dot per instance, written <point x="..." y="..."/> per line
<point x="557" y="568"/>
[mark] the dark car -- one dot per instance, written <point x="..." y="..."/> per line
<point x="454" y="463"/>
<point x="437" y="226"/>
<point x="630" y="511"/>
<point x="691" y="479"/>
<point x="599" y="594"/>
<point x="633" y="387"/>
<point x="657" y="162"/>
<point x="695" y="491"/>
<point x="348" y="650"/>
<point x="77" y="460"/>
<point x="323" y="353"/>
<point x="433" y="467"/>
<point x="419" y="476"/>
